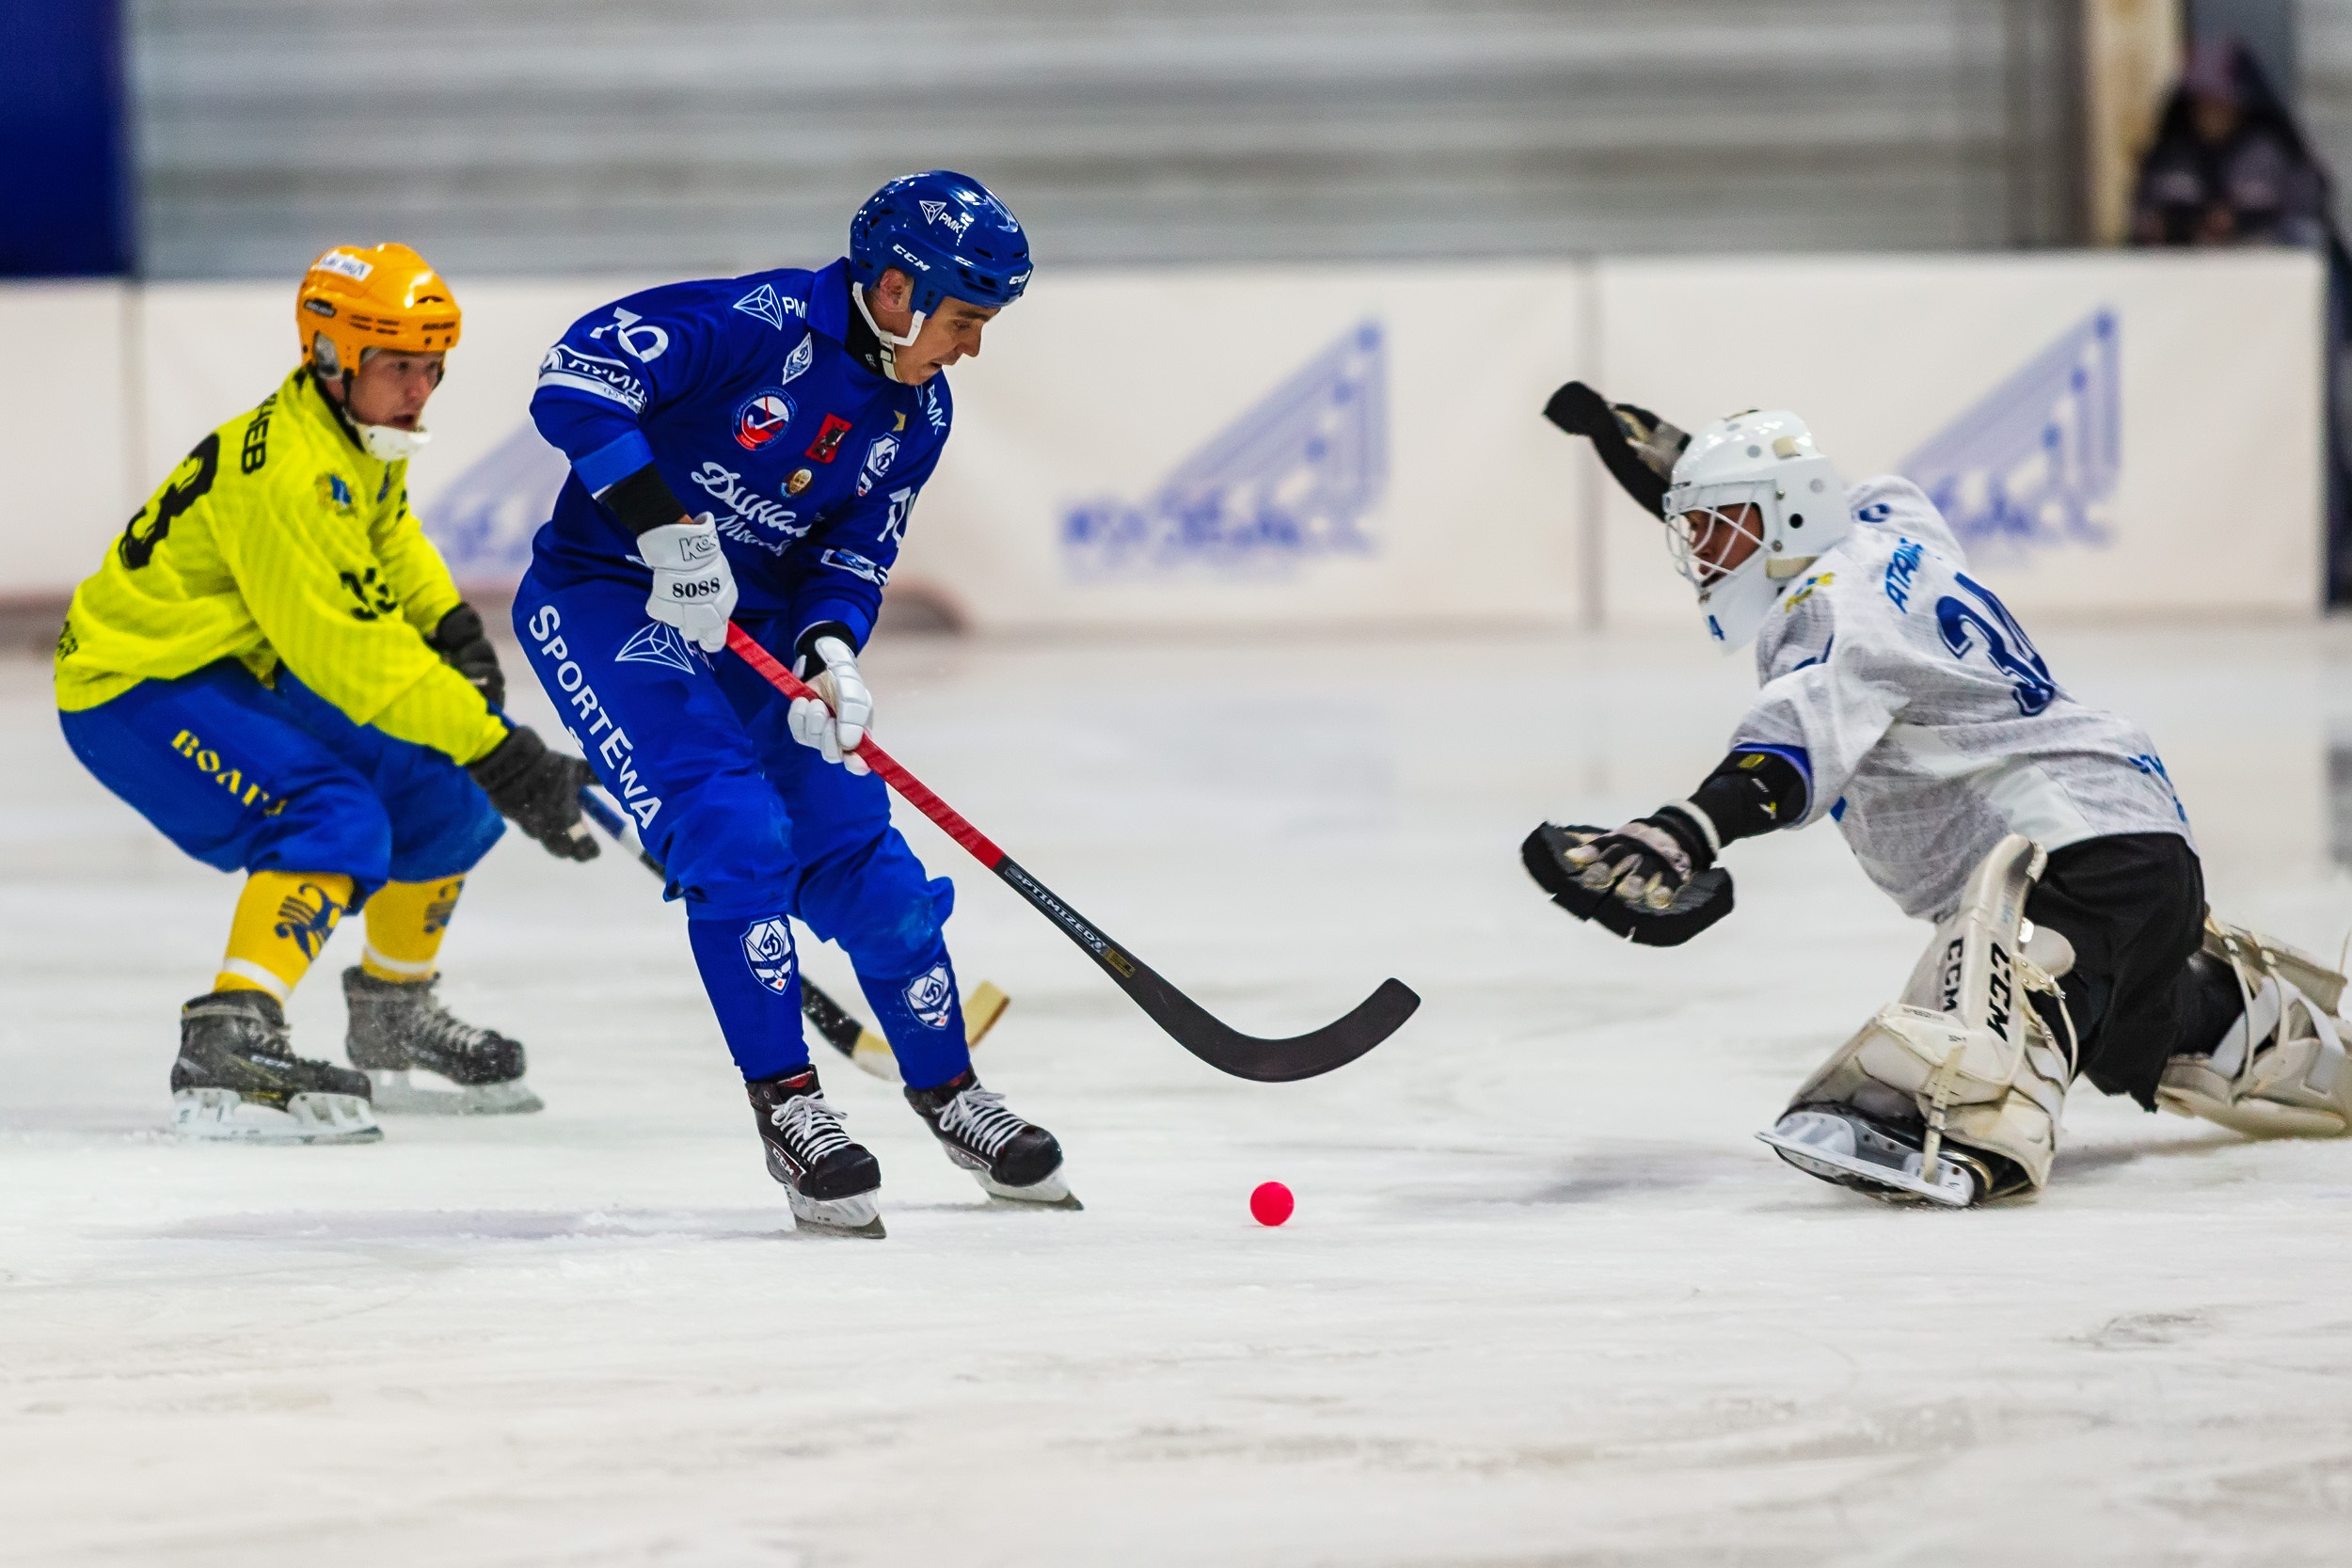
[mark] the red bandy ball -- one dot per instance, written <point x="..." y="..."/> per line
<point x="1272" y="1203"/>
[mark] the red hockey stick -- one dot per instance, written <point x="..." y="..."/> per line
<point x="1376" y="1018"/>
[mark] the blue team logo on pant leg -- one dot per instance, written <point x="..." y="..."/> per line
<point x="767" y="948"/>
<point x="930" y="996"/>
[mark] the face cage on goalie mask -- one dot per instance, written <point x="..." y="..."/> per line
<point x="1714" y="504"/>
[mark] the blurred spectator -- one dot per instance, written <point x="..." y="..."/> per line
<point x="2229" y="166"/>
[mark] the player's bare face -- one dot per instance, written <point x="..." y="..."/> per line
<point x="950" y="333"/>
<point x="391" y="387"/>
<point x="1722" y="539"/>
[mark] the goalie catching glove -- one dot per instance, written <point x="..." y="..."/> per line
<point x="1654" y="880"/>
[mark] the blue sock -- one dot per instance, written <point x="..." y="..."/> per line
<point x="922" y="1017"/>
<point x="753" y="977"/>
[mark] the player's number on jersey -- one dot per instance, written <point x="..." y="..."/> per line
<point x="139" y="548"/>
<point x="1995" y="633"/>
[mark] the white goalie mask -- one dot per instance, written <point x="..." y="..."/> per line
<point x="1749" y="506"/>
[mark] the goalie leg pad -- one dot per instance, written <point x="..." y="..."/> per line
<point x="1963" y="1069"/>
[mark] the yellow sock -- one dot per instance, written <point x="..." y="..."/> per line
<point x="405" y="924"/>
<point x="283" y="919"/>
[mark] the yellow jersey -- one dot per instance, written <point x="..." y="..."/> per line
<point x="281" y="540"/>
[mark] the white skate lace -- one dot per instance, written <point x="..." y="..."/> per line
<point x="813" y="1127"/>
<point x="978" y="1118"/>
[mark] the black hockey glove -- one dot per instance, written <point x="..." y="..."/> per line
<point x="539" y="790"/>
<point x="1638" y="448"/>
<point x="1652" y="882"/>
<point x="465" y="648"/>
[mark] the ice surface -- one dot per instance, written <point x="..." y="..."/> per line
<point x="1545" y="1300"/>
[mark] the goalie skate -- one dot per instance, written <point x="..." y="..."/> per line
<point x="2280" y="1072"/>
<point x="1839" y="1144"/>
<point x="1953" y="1094"/>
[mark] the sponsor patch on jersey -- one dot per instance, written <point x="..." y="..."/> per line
<point x="880" y="454"/>
<point x="609" y="379"/>
<point x="828" y="443"/>
<point x="933" y="412"/>
<point x="855" y="564"/>
<point x="768" y="949"/>
<point x="796" y="363"/>
<point x="343" y="263"/>
<point x="656" y="643"/>
<point x="930" y="996"/>
<point x="762" y="302"/>
<point x="761" y="419"/>
<point x="334" y="492"/>
<point x="802" y="479"/>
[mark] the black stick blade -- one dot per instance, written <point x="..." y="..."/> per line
<point x="1263" y="1061"/>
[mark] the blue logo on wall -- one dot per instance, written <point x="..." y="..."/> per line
<point x="1291" y="480"/>
<point x="2034" y="461"/>
<point x="482" y="523"/>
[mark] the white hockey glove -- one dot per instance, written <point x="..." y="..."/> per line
<point x="693" y="587"/>
<point x="837" y="725"/>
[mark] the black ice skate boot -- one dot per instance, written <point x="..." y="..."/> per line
<point x="237" y="1079"/>
<point x="399" y="1027"/>
<point x="1010" y="1158"/>
<point x="832" y="1184"/>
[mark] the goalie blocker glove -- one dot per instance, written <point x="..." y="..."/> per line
<point x="1637" y="447"/>
<point x="539" y="790"/>
<point x="1654" y="880"/>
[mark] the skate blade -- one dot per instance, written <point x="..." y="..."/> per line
<point x="399" y="1093"/>
<point x="1809" y="1140"/>
<point x="857" y="1215"/>
<point x="1052" y="1193"/>
<point x="224" y="1115"/>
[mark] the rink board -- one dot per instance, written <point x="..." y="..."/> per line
<point x="1331" y="446"/>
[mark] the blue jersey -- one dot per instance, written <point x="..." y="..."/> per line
<point x="741" y="392"/>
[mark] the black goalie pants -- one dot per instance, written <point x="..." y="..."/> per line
<point x="2133" y="904"/>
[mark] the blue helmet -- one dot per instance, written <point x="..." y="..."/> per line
<point x="948" y="233"/>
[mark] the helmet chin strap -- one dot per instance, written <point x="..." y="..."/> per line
<point x="889" y="360"/>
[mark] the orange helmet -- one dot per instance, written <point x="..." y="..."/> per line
<point x="380" y="296"/>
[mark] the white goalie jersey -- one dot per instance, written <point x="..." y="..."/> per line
<point x="1926" y="721"/>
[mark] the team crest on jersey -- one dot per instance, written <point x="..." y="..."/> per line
<point x="930" y="996"/>
<point x="656" y="643"/>
<point x="880" y="454"/>
<point x="762" y="302"/>
<point x="761" y="419"/>
<point x="768" y="949"/>
<point x="796" y="363"/>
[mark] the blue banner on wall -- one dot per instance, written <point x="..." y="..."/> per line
<point x="64" y="186"/>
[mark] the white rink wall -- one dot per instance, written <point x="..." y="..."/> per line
<point x="2119" y="434"/>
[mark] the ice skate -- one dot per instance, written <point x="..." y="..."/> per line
<point x="1840" y="1144"/>
<point x="400" y="1033"/>
<point x="1011" y="1159"/>
<point x="2281" y="1070"/>
<point x="832" y="1184"/>
<point x="238" y="1080"/>
<point x="1953" y="1094"/>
